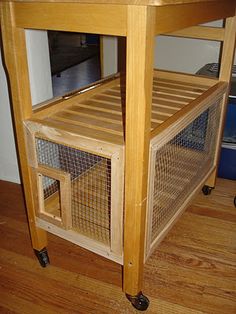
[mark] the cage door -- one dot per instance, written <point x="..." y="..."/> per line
<point x="54" y="196"/>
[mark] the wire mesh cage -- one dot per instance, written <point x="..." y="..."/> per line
<point x="77" y="154"/>
<point x="179" y="164"/>
<point x="90" y="185"/>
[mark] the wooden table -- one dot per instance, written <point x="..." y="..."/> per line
<point x="139" y="21"/>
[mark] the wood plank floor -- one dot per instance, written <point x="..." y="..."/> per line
<point x="193" y="270"/>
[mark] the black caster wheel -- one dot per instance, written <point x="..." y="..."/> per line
<point x="139" y="301"/>
<point x="42" y="257"/>
<point x="235" y="201"/>
<point x="206" y="190"/>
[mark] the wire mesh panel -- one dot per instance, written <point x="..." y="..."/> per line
<point x="50" y="186"/>
<point x="91" y="201"/>
<point x="90" y="186"/>
<point x="180" y="165"/>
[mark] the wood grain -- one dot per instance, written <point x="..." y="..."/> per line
<point x="140" y="49"/>
<point x="172" y="18"/>
<point x="134" y="2"/>
<point x="98" y="19"/>
<point x="98" y="112"/>
<point x="17" y="70"/>
<point x="192" y="272"/>
<point x="201" y="32"/>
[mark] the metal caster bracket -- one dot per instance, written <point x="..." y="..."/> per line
<point x="139" y="301"/>
<point x="206" y="190"/>
<point x="42" y="256"/>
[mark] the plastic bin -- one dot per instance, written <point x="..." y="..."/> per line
<point x="227" y="164"/>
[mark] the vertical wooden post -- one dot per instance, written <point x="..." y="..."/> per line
<point x="139" y="76"/>
<point x="15" y="57"/>
<point x="227" y="59"/>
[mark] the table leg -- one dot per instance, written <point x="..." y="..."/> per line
<point x="139" y="76"/>
<point x="227" y="59"/>
<point x="15" y="57"/>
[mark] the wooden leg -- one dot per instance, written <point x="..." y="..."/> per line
<point x="15" y="57"/>
<point x="139" y="75"/>
<point x="227" y="60"/>
<point x="211" y="181"/>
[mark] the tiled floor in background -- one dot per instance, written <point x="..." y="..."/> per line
<point x="76" y="76"/>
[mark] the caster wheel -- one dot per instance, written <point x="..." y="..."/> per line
<point x="206" y="190"/>
<point x="42" y="257"/>
<point x="235" y="201"/>
<point x="139" y="301"/>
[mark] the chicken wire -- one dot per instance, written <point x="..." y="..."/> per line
<point x="181" y="164"/>
<point x="50" y="186"/>
<point x="90" y="186"/>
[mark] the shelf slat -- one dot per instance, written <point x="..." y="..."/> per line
<point x="101" y="115"/>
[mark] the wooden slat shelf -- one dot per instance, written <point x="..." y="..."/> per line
<point x="103" y="113"/>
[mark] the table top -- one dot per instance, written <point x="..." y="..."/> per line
<point x="131" y="2"/>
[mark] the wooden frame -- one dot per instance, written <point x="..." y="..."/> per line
<point x="105" y="19"/>
<point x="46" y="108"/>
<point x="163" y="135"/>
<point x="138" y="23"/>
<point x="201" y="32"/>
<point x="172" y="18"/>
<point x="61" y="199"/>
<point x="45" y="221"/>
<point x="210" y="95"/>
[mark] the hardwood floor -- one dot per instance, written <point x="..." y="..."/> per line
<point x="193" y="270"/>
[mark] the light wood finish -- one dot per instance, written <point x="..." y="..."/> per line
<point x="72" y="139"/>
<point x="51" y="106"/>
<point x="57" y="208"/>
<point x="140" y="45"/>
<point x="191" y="272"/>
<point x="127" y="2"/>
<point x="201" y="81"/>
<point x="101" y="19"/>
<point x="152" y="245"/>
<point x="113" y="20"/>
<point x="117" y="203"/>
<point x="164" y="134"/>
<point x="201" y="32"/>
<point x="194" y="108"/>
<point x="81" y="240"/>
<point x="175" y="98"/>
<point x="114" y="152"/>
<point x="98" y="113"/>
<point x="172" y="18"/>
<point x="17" y="68"/>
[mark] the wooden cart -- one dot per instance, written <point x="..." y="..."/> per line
<point x="146" y="141"/>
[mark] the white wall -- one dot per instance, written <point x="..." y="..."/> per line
<point x="8" y="160"/>
<point x="176" y="54"/>
<point x="184" y="55"/>
<point x="39" y="65"/>
<point x="41" y="89"/>
<point x="171" y="53"/>
<point x="109" y="55"/>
